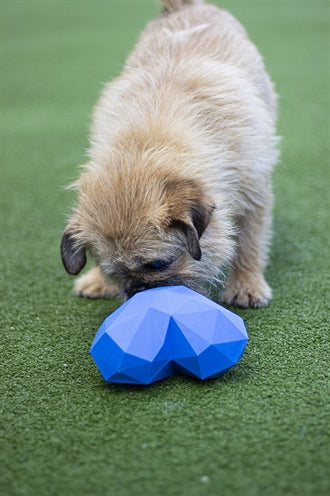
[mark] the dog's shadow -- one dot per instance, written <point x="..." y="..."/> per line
<point x="237" y="375"/>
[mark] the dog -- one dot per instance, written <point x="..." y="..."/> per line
<point x="177" y="188"/>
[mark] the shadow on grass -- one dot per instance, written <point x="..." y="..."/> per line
<point x="238" y="374"/>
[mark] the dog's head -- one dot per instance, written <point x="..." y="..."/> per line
<point x="144" y="232"/>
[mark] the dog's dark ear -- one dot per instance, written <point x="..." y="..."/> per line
<point x="73" y="255"/>
<point x="201" y="212"/>
<point x="191" y="212"/>
<point x="191" y="234"/>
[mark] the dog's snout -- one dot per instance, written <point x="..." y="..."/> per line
<point x="141" y="287"/>
<point x="138" y="288"/>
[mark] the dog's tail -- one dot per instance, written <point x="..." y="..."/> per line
<point x="172" y="5"/>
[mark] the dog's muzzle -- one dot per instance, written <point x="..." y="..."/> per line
<point x="131" y="291"/>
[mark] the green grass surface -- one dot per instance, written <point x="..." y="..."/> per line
<point x="262" y="429"/>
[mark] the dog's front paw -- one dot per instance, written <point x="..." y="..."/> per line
<point x="93" y="285"/>
<point x="247" y="290"/>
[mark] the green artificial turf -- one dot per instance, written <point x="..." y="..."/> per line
<point x="260" y="430"/>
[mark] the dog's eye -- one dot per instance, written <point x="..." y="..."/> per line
<point x="157" y="265"/>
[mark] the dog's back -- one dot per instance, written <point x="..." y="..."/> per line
<point x="197" y="32"/>
<point x="194" y="77"/>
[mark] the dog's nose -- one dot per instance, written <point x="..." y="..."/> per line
<point x="136" y="289"/>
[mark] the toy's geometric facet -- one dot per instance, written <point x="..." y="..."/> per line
<point x="166" y="330"/>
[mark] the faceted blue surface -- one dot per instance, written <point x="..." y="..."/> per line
<point x="168" y="330"/>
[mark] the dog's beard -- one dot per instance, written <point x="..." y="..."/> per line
<point x="132" y="287"/>
<point x="200" y="277"/>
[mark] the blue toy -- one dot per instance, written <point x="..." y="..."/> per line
<point x="168" y="330"/>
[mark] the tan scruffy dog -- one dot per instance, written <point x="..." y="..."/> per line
<point x="178" y="183"/>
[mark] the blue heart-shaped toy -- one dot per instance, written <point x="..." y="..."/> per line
<point x="168" y="330"/>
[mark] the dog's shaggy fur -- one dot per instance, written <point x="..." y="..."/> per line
<point x="178" y="184"/>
